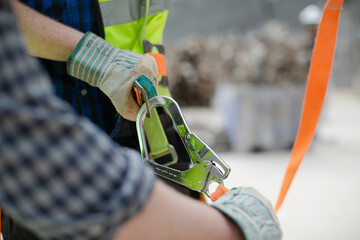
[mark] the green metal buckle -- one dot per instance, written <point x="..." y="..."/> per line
<point x="206" y="167"/>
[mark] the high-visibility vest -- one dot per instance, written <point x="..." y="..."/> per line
<point x="124" y="19"/>
<point x="137" y="26"/>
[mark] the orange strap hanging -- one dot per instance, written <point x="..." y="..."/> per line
<point x="319" y="74"/>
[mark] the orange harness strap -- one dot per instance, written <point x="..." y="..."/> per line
<point x="160" y="60"/>
<point x="220" y="190"/>
<point x="319" y="74"/>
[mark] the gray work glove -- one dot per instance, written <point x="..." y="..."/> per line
<point x="251" y="212"/>
<point x="112" y="70"/>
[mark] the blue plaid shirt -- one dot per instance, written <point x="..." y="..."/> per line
<point x="60" y="175"/>
<point x="83" y="15"/>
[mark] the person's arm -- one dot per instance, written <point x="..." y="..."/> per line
<point x="171" y="215"/>
<point x="45" y="37"/>
<point x="89" y="58"/>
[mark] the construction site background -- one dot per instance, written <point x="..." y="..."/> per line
<point x="323" y="201"/>
<point x="250" y="60"/>
<point x="213" y="17"/>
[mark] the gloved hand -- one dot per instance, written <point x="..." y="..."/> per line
<point x="252" y="212"/>
<point x="112" y="70"/>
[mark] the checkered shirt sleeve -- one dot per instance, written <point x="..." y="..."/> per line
<point x="60" y="175"/>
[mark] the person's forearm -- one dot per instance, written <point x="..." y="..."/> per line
<point x="45" y="37"/>
<point x="170" y="215"/>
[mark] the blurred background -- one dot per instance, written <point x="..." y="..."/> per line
<point x="238" y="70"/>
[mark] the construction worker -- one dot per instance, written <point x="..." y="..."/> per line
<point x="96" y="77"/>
<point x="63" y="178"/>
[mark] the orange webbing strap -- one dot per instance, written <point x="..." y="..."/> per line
<point x="160" y="60"/>
<point x="220" y="190"/>
<point x="137" y="96"/>
<point x="319" y="74"/>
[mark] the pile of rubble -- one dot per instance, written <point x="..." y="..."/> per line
<point x="272" y="54"/>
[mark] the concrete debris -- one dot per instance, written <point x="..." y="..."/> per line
<point x="272" y="54"/>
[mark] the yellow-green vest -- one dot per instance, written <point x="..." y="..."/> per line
<point x="127" y="23"/>
<point x="138" y="25"/>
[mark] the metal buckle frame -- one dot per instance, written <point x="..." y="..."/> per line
<point x="206" y="167"/>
